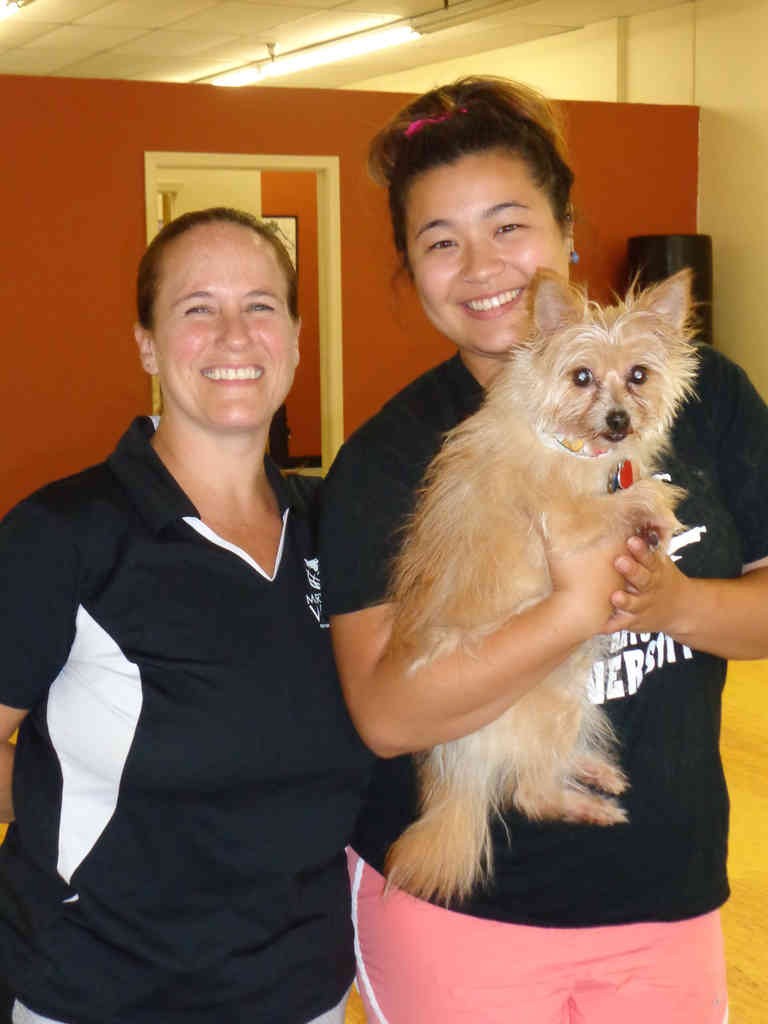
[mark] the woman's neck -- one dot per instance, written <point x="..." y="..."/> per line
<point x="226" y="480"/>
<point x="482" y="367"/>
<point x="223" y="476"/>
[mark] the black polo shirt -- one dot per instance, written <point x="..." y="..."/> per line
<point x="187" y="776"/>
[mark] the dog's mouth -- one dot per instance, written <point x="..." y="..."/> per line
<point x="590" y="449"/>
<point x="615" y="436"/>
<point x="618" y="424"/>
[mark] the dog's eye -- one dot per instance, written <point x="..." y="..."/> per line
<point x="638" y="375"/>
<point x="582" y="377"/>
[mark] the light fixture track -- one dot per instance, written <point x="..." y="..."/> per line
<point x="461" y="11"/>
<point x="331" y="51"/>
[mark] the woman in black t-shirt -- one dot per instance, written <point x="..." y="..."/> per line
<point x="579" y="923"/>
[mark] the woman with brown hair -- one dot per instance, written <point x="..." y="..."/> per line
<point x="186" y="774"/>
<point x="580" y="923"/>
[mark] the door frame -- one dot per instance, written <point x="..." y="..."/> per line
<point x="159" y="164"/>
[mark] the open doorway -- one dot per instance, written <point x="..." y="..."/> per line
<point x="175" y="182"/>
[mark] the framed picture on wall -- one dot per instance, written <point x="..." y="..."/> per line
<point x="287" y="227"/>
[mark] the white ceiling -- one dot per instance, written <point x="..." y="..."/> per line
<point x="190" y="40"/>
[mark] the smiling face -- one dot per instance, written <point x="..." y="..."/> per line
<point x="222" y="339"/>
<point x="477" y="230"/>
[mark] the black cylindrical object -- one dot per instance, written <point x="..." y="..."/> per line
<point x="653" y="257"/>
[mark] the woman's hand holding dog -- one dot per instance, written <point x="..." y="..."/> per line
<point x="654" y="590"/>
<point x="583" y="584"/>
<point x="728" y="618"/>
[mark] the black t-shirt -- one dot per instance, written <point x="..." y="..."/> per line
<point x="663" y="699"/>
<point x="187" y="776"/>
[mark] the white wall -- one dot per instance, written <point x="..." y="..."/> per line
<point x="732" y="90"/>
<point x="195" y="188"/>
<point x="646" y="58"/>
<point x="659" y="62"/>
<point x="708" y="52"/>
<point x="578" y="65"/>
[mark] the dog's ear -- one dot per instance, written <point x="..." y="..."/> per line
<point x="553" y="302"/>
<point x="670" y="299"/>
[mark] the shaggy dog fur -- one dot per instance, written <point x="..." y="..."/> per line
<point x="585" y="402"/>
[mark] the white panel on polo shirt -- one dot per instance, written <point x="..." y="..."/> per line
<point x="21" y="1014"/>
<point x="93" y="709"/>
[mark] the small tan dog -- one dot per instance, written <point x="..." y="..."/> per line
<point x="580" y="412"/>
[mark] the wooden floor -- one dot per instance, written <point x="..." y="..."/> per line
<point x="745" y="916"/>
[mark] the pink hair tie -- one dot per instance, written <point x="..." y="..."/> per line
<point x="415" y="126"/>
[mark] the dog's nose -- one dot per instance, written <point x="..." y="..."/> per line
<point x="617" y="421"/>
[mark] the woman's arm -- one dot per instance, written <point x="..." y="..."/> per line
<point x="10" y="720"/>
<point x="727" y="618"/>
<point x="398" y="711"/>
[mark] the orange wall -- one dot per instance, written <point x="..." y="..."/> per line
<point x="72" y="215"/>
<point x="636" y="172"/>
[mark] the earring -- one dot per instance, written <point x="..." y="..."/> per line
<point x="574" y="257"/>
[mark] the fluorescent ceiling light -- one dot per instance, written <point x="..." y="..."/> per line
<point x="10" y="7"/>
<point x="333" y="51"/>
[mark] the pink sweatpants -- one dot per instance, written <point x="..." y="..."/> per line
<point x="422" y="964"/>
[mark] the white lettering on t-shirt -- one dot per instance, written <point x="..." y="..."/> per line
<point x="633" y="658"/>
<point x="682" y="540"/>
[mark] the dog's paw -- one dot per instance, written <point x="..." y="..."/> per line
<point x="592" y="809"/>
<point x="658" y="534"/>
<point x="650" y="534"/>
<point x="600" y="774"/>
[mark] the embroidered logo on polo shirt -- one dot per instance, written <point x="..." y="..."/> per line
<point x="314" y="599"/>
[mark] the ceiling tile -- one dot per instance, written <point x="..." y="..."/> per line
<point x="111" y="65"/>
<point x="320" y="5"/>
<point x="240" y="18"/>
<point x="583" y="12"/>
<point x="144" y="13"/>
<point x="15" y="33"/>
<point x="393" y="9"/>
<point x="326" y="25"/>
<point x="102" y="65"/>
<point x="29" y="62"/>
<point x="80" y="38"/>
<point x="180" y="70"/>
<point x="60" y="11"/>
<point x="236" y="53"/>
<point x="173" y="44"/>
